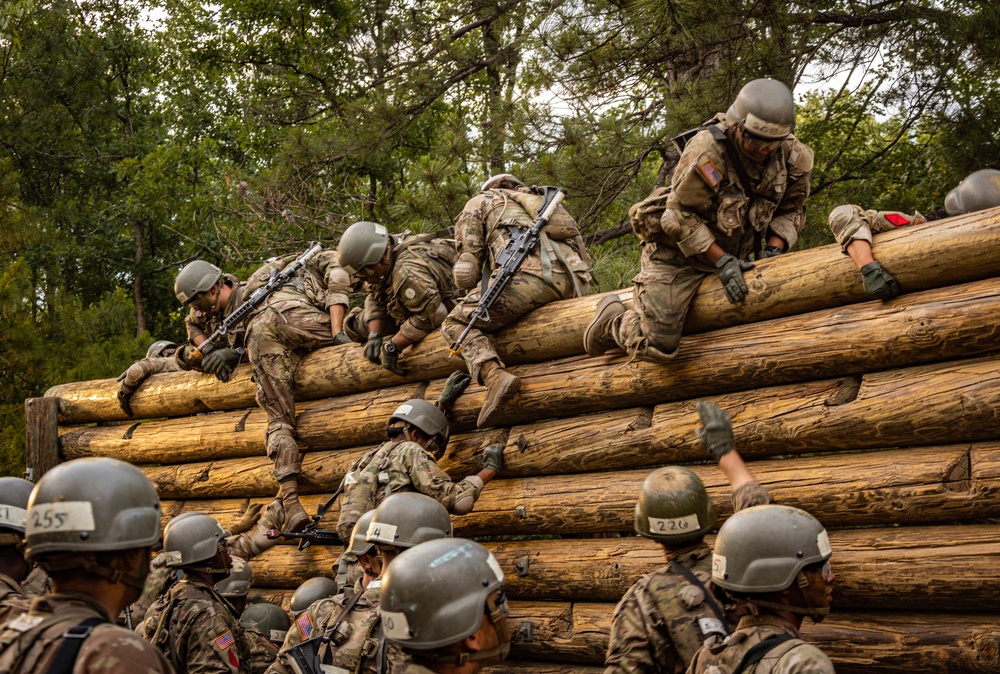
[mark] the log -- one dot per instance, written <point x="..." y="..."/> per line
<point x="935" y="569"/>
<point x="791" y="284"/>
<point x="41" y="436"/>
<point x="516" y="667"/>
<point x="923" y="485"/>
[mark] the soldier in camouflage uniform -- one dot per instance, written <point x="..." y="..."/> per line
<point x="410" y="287"/>
<point x="265" y="627"/>
<point x="310" y="592"/>
<point x="14" y="568"/>
<point x="418" y="434"/>
<point x="853" y="227"/>
<point x="711" y="223"/>
<point x="443" y="604"/>
<point x="160" y="357"/>
<point x="559" y="269"/>
<point x="775" y="558"/>
<point x="91" y="524"/>
<point x="192" y="624"/>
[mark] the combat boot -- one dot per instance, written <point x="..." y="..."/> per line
<point x="296" y="517"/>
<point x="501" y="386"/>
<point x="598" y="337"/>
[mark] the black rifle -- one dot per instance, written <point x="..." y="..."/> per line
<point x="509" y="261"/>
<point x="308" y="537"/>
<point x="256" y="298"/>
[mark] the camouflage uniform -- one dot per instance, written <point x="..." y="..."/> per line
<point x="197" y="629"/>
<point x="559" y="269"/>
<point x="201" y="324"/>
<point x="261" y="652"/>
<point x="356" y="644"/>
<point x="418" y="292"/>
<point x="37" y="583"/>
<point x="663" y="619"/>
<point x="35" y="637"/>
<point x="140" y="370"/>
<point x="791" y="657"/>
<point x="852" y="223"/>
<point x="401" y="465"/>
<point x="13" y="600"/>
<point x="707" y="205"/>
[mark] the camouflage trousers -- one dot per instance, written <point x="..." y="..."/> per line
<point x="276" y="342"/>
<point x="663" y="294"/>
<point x="525" y="293"/>
<point x="851" y="223"/>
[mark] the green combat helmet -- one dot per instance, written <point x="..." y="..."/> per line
<point x="310" y="592"/>
<point x="362" y="244"/>
<point x="435" y="595"/>
<point x="268" y="619"/>
<point x="407" y="519"/>
<point x="14" y="493"/>
<point x="764" y="108"/>
<point x="157" y="348"/>
<point x="196" y="538"/>
<point x="673" y="506"/>
<point x="980" y="190"/>
<point x="424" y="415"/>
<point x="237" y="584"/>
<point x="196" y="277"/>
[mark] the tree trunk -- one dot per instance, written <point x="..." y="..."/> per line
<point x="966" y="249"/>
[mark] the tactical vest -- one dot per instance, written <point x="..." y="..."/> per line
<point x="364" y="480"/>
<point x="26" y="640"/>
<point x="745" y="657"/>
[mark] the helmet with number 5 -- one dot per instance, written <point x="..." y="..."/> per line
<point x="673" y="506"/>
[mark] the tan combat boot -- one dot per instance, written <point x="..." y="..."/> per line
<point x="598" y="338"/>
<point x="296" y="517"/>
<point x="501" y="386"/>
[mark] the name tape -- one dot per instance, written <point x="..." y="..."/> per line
<point x="12" y="516"/>
<point x="381" y="533"/>
<point x="718" y="566"/>
<point x="64" y="516"/>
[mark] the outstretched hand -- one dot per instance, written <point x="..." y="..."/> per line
<point x="716" y="433"/>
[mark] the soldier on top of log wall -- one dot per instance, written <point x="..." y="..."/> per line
<point x="559" y="269"/>
<point x="853" y="226"/>
<point x="743" y="178"/>
<point x="665" y="616"/>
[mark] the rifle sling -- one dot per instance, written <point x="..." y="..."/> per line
<point x="348" y="605"/>
<point x="72" y="642"/>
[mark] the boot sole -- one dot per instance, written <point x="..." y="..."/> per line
<point x="490" y="417"/>
<point x="592" y="349"/>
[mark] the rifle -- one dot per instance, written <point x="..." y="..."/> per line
<point x="275" y="281"/>
<point x="509" y="261"/>
<point x="308" y="537"/>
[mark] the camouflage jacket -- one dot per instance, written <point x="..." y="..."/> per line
<point x="140" y="370"/>
<point x="201" y="324"/>
<point x="261" y="653"/>
<point x="707" y="203"/>
<point x="197" y="629"/>
<point x="723" y="656"/>
<point x="13" y="601"/>
<point x="419" y="291"/>
<point x="397" y="466"/>
<point x="29" y="643"/>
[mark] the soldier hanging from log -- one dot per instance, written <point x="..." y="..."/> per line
<point x="160" y="357"/>
<point x="853" y="227"/>
<point x="741" y="182"/>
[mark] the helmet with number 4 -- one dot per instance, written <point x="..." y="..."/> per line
<point x="407" y="519"/>
<point x="673" y="506"/>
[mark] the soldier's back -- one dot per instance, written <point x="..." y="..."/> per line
<point x="784" y="653"/>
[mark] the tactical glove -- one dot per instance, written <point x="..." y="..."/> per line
<point x="730" y="271"/>
<point x="389" y="357"/>
<point x="769" y="251"/>
<point x="878" y="282"/>
<point x="453" y="388"/>
<point x="373" y="348"/>
<point x="716" y="433"/>
<point x="247" y="521"/>
<point x="123" y="401"/>
<point x="221" y="363"/>
<point x="493" y="458"/>
<point x="341" y="338"/>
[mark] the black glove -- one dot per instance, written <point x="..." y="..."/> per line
<point x="221" y="363"/>
<point x="731" y="270"/>
<point x="769" y="251"/>
<point x="123" y="401"/>
<point x="878" y="282"/>
<point x="493" y="458"/>
<point x="716" y="433"/>
<point x="389" y="357"/>
<point x="341" y="338"/>
<point x="373" y="348"/>
<point x="453" y="388"/>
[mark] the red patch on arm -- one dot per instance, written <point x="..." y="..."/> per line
<point x="896" y="219"/>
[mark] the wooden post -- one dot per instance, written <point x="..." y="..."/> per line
<point x="41" y="418"/>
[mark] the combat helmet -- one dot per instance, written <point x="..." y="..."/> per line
<point x="406" y="519"/>
<point x="514" y="180"/>
<point x="237" y="584"/>
<point x="196" y="277"/>
<point x="673" y="506"/>
<point x="425" y="415"/>
<point x="311" y="591"/>
<point x="435" y="595"/>
<point x="14" y="493"/>
<point x="196" y="538"/>
<point x="268" y="619"/>
<point x="363" y="244"/>
<point x="764" y="108"/>
<point x="977" y="192"/>
<point x="157" y="348"/>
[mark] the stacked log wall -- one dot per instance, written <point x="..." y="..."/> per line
<point x="881" y="418"/>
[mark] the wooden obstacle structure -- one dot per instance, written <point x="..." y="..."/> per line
<point x="880" y="418"/>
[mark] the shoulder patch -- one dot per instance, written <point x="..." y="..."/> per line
<point x="224" y="640"/>
<point x="710" y="173"/>
<point x="897" y="219"/>
<point x="305" y="625"/>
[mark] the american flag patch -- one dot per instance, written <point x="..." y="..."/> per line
<point x="224" y="641"/>
<point x="711" y="173"/>
<point x="305" y="625"/>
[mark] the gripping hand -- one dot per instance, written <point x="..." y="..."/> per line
<point x="341" y="338"/>
<point x="878" y="282"/>
<point x="389" y="357"/>
<point x="769" y="251"/>
<point x="123" y="400"/>
<point x="493" y="458"/>
<point x="453" y="388"/>
<point x="221" y="363"/>
<point x="373" y="348"/>
<point x="247" y="521"/>
<point x="730" y="271"/>
<point x="716" y="433"/>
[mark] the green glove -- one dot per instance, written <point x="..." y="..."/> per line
<point x="878" y="282"/>
<point x="730" y="271"/>
<point x="221" y="363"/>
<point x="373" y="348"/>
<point x="247" y="522"/>
<point x="493" y="458"/>
<point x="389" y="357"/>
<point x="769" y="251"/>
<point x="341" y="338"/>
<point x="453" y="388"/>
<point x="716" y="433"/>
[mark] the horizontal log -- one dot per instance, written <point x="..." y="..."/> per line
<point x="517" y="667"/>
<point x="933" y="569"/>
<point x="787" y="285"/>
<point x="921" y="485"/>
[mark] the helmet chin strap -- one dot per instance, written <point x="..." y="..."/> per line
<point x="815" y="612"/>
